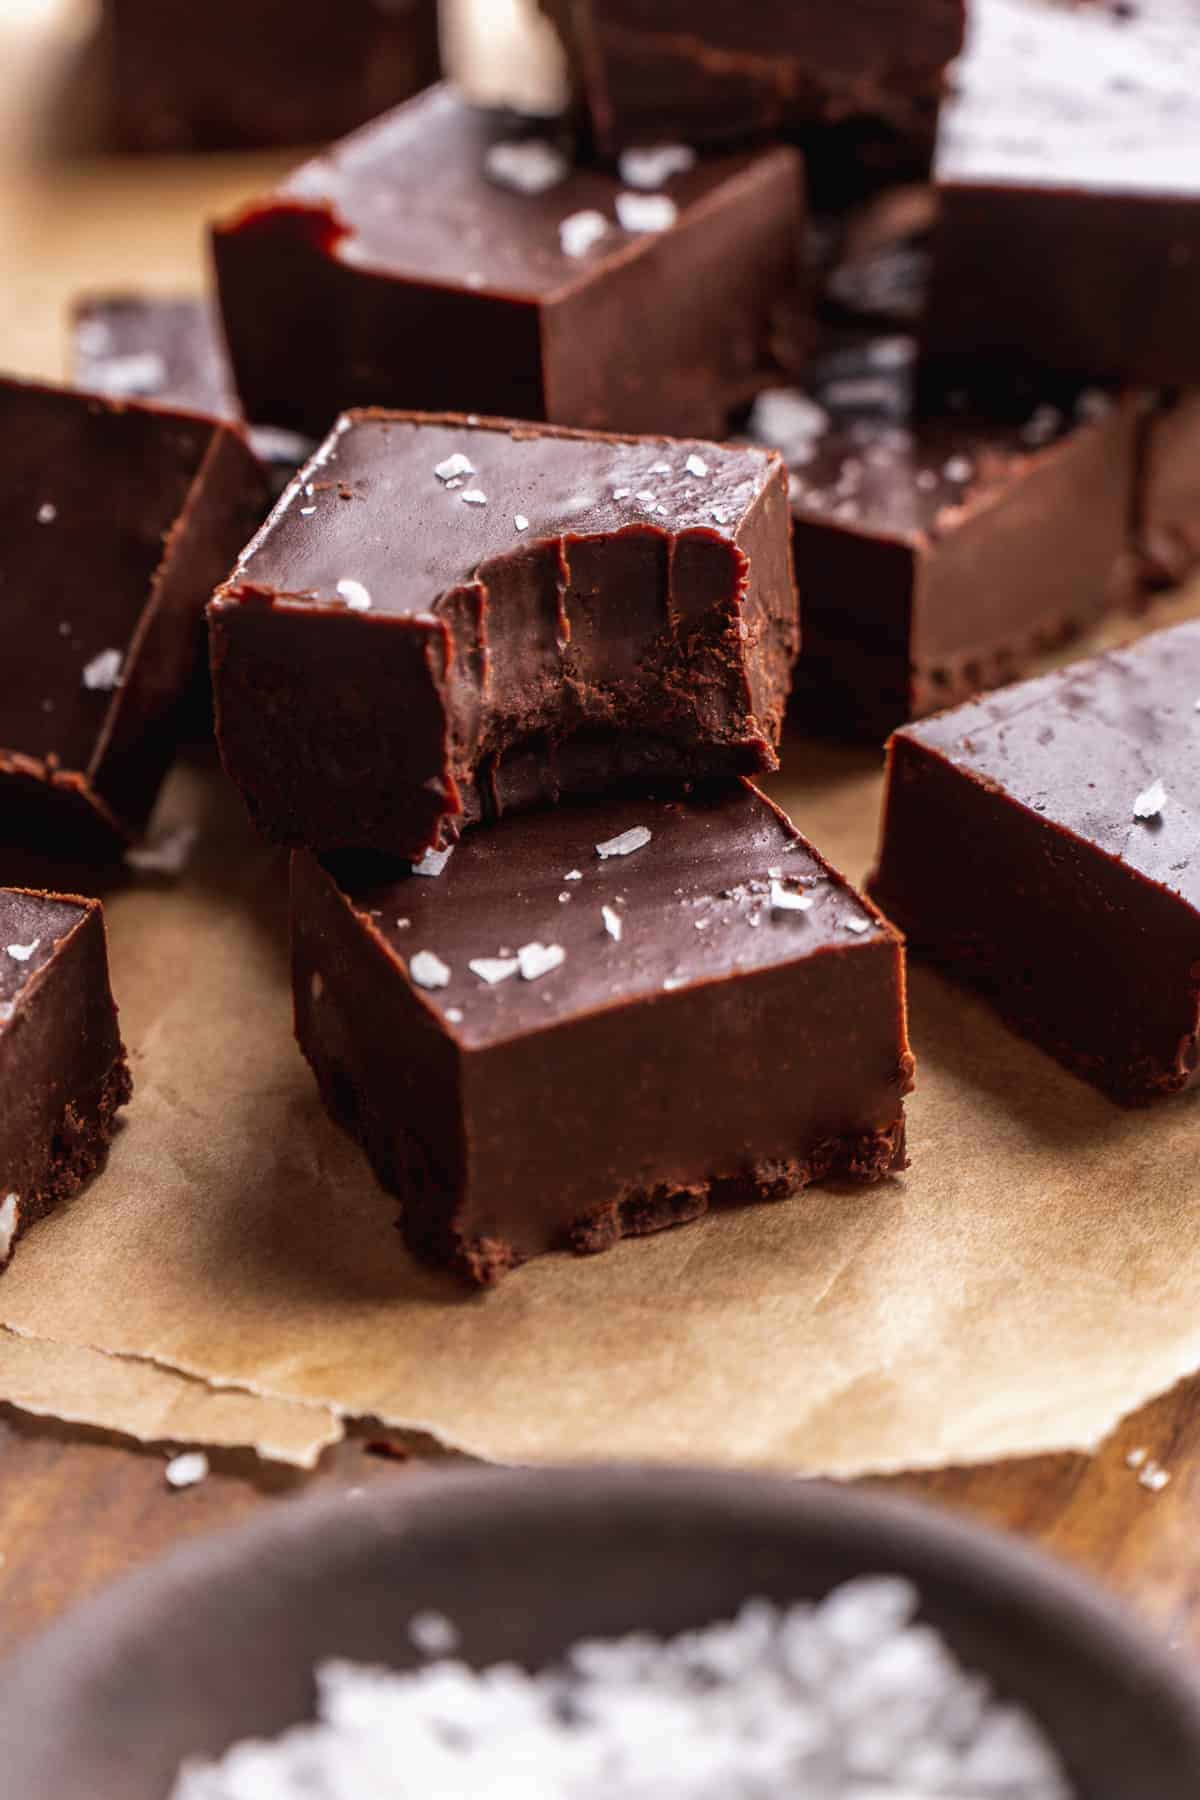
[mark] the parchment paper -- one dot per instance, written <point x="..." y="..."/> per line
<point x="1033" y="1276"/>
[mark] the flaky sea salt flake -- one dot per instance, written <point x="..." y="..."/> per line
<point x="1136" y="1459"/>
<point x="428" y="970"/>
<point x="455" y="465"/>
<point x="696" y="465"/>
<point x="521" y="522"/>
<point x="580" y="232"/>
<point x="650" y="165"/>
<point x="1154" y="1478"/>
<point x="858" y="926"/>
<point x="636" y="838"/>
<point x="1151" y="802"/>
<point x="527" y="166"/>
<point x="433" y="1634"/>
<point x="613" y="923"/>
<point x="356" y="596"/>
<point x="22" y="952"/>
<point x="433" y="862"/>
<point x="641" y="213"/>
<point x="785" y="899"/>
<point x="47" y="512"/>
<point x="536" y="960"/>
<point x="187" y="1469"/>
<point x="103" y="673"/>
<point x="494" y="969"/>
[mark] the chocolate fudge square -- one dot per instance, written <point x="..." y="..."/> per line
<point x="116" y="522"/>
<point x="152" y="347"/>
<point x="63" y="1074"/>
<point x="1042" y="846"/>
<point x="943" y="544"/>
<point x="600" y="1020"/>
<point x="1069" y="176"/>
<point x="244" y="73"/>
<point x="706" y="71"/>
<point x="443" y="620"/>
<point x="441" y="260"/>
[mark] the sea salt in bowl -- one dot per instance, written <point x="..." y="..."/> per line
<point x="220" y="1642"/>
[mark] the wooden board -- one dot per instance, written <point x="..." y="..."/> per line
<point x="77" y="1508"/>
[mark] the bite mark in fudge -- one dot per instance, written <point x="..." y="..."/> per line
<point x="63" y="1074"/>
<point x="413" y="267"/>
<point x="445" y="620"/>
<point x="235" y="73"/>
<point x="1168" y="509"/>
<point x="706" y="71"/>
<point x="528" y="1079"/>
<point x="942" y="544"/>
<point x="116" y="522"/>
<point x="1069" y="177"/>
<point x="1043" y="845"/>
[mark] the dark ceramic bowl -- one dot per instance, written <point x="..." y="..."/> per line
<point x="219" y="1642"/>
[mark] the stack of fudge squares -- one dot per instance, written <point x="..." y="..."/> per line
<point x="838" y="358"/>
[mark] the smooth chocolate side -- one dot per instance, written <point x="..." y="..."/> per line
<point x="63" y="1071"/>
<point x="535" y="1115"/>
<point x="1168" y="501"/>
<point x="1014" y="857"/>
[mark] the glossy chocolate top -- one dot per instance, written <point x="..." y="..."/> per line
<point x="386" y="517"/>
<point x="1103" y="95"/>
<point x="699" y="895"/>
<point x="144" y="347"/>
<point x="31" y="926"/>
<point x="420" y="193"/>
<point x="863" y="455"/>
<point x="1087" y="748"/>
<point x="91" y="489"/>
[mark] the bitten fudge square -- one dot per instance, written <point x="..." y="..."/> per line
<point x="599" y="1020"/>
<point x="63" y="1073"/>
<point x="446" y="619"/>
<point x="116" y="522"/>
<point x="443" y="259"/>
<point x="944" y="542"/>
<point x="1043" y="846"/>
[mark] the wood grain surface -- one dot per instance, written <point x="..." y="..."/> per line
<point x="77" y="1508"/>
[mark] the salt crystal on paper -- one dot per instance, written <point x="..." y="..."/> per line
<point x="612" y="923"/>
<point x="10" y="1218"/>
<point x="646" y="212"/>
<point x="528" y="166"/>
<point x="428" y="970"/>
<point x="186" y="1469"/>
<point x="474" y="497"/>
<point x="493" y="969"/>
<point x="636" y="838"/>
<point x="521" y="522"/>
<point x="653" y="164"/>
<point x="455" y="465"/>
<point x="580" y="231"/>
<point x="536" y="960"/>
<point x="22" y="952"/>
<point x="1150" y="802"/>
<point x="433" y="862"/>
<point x="103" y="673"/>
<point x="356" y="596"/>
